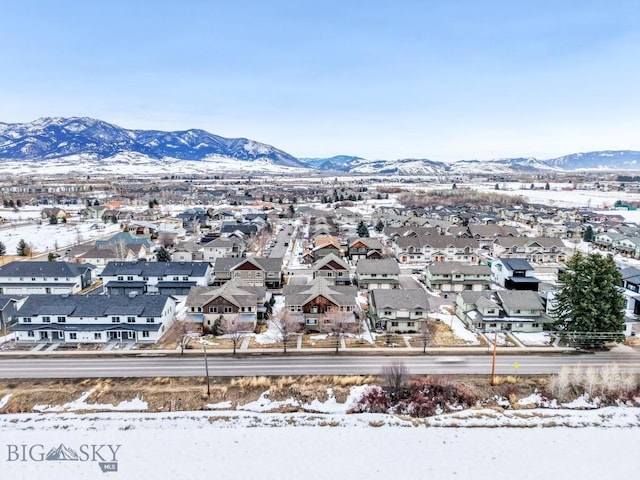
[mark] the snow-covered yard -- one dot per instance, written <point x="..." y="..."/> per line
<point x="278" y="446"/>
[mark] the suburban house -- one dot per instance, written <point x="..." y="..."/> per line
<point x="100" y="256"/>
<point x="631" y="291"/>
<point x="255" y="271"/>
<point x="365" y="247"/>
<point x="94" y="318"/>
<point x="457" y="276"/>
<point x="53" y="212"/>
<point x="436" y="248"/>
<point x="9" y="305"/>
<point x="509" y="310"/>
<point x="317" y="304"/>
<point x="234" y="301"/>
<point x="51" y="278"/>
<point x="486" y="234"/>
<point x="398" y="310"/>
<point x="126" y="238"/>
<point x="383" y="273"/>
<point x="334" y="269"/>
<point x="514" y="274"/>
<point x="187" y="251"/>
<point x="223" y="247"/>
<point x="323" y="245"/>
<point x="170" y="278"/>
<point x="532" y="249"/>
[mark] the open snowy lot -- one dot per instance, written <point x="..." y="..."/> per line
<point x="231" y="445"/>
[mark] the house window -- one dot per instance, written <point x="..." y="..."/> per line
<point x="312" y="321"/>
<point x="185" y="279"/>
<point x="394" y="324"/>
<point x="151" y="320"/>
<point x="120" y="278"/>
<point x="176" y="279"/>
<point x="97" y="336"/>
<point x="145" y="334"/>
<point x="131" y="319"/>
<point x="410" y="324"/>
<point x="228" y="309"/>
<point x="493" y="325"/>
<point x="30" y="334"/>
<point x="115" y="319"/>
<point x="33" y="279"/>
<point x="387" y="313"/>
<point x="46" y="319"/>
<point x="213" y="309"/>
<point x="146" y="279"/>
<point x="61" y="319"/>
<point x="258" y="274"/>
<point x="535" y="325"/>
<point x="73" y="336"/>
<point x="130" y="278"/>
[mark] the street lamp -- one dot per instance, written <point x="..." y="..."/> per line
<point x="206" y="369"/>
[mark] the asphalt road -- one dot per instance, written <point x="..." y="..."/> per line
<point x="296" y="365"/>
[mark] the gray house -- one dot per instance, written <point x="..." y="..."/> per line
<point x="382" y="273"/>
<point x="50" y="278"/>
<point x="398" y="310"/>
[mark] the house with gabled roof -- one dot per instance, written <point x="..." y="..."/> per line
<point x="333" y="268"/>
<point x="365" y="247"/>
<point x="187" y="251"/>
<point x="314" y="304"/>
<point x="223" y="247"/>
<point x="49" y="278"/>
<point x="235" y="301"/>
<point x="126" y="238"/>
<point x="514" y="274"/>
<point x="437" y="248"/>
<point x="9" y="305"/>
<point x="94" y="318"/>
<point x="532" y="249"/>
<point x="507" y="310"/>
<point x="255" y="271"/>
<point x="398" y="310"/>
<point x="457" y="276"/>
<point x="171" y="278"/>
<point x="382" y="274"/>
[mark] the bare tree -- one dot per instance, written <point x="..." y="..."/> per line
<point x="338" y="324"/>
<point x="233" y="330"/>
<point x="285" y="327"/>
<point x="425" y="335"/>
<point x="184" y="335"/>
<point x="395" y="376"/>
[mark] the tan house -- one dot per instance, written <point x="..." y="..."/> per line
<point x="457" y="276"/>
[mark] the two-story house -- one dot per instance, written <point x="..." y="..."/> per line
<point x="509" y="310"/>
<point x="365" y="247"/>
<point x="27" y="278"/>
<point x="382" y="273"/>
<point x="234" y="301"/>
<point x="332" y="268"/>
<point x="514" y="274"/>
<point x="94" y="318"/>
<point x="223" y="247"/>
<point x="399" y="310"/>
<point x="457" y="276"/>
<point x="532" y="249"/>
<point x="314" y="304"/>
<point x="170" y="278"/>
<point x="255" y="271"/>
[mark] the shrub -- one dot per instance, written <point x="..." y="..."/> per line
<point x="375" y="400"/>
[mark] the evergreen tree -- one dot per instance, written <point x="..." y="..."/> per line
<point x="22" y="249"/>
<point x="163" y="255"/>
<point x="363" y="231"/>
<point x="546" y="186"/>
<point x="53" y="220"/>
<point x="454" y="186"/>
<point x="3" y="249"/>
<point x="588" y="234"/>
<point x="379" y="226"/>
<point x="497" y="187"/>
<point x="51" y="257"/>
<point x="589" y="299"/>
<point x="19" y="203"/>
<point x="291" y="210"/>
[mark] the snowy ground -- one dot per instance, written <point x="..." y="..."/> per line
<point x="225" y="445"/>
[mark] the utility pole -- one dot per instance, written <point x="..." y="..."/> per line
<point x="206" y="369"/>
<point x="493" y="360"/>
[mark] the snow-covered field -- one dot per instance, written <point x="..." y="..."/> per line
<point x="224" y="445"/>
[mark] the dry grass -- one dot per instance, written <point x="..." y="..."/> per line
<point x="309" y="342"/>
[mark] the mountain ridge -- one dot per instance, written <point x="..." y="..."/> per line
<point x="85" y="142"/>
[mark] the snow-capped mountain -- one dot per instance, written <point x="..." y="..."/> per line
<point x="604" y="160"/>
<point x="57" y="138"/>
<point x="339" y="163"/>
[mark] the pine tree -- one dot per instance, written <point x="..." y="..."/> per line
<point x="363" y="231"/>
<point x="163" y="255"/>
<point x="588" y="234"/>
<point x="22" y="249"/>
<point x="589" y="300"/>
<point x="3" y="249"/>
<point x="546" y="186"/>
<point x="379" y="226"/>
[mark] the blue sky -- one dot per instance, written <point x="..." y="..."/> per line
<point x="443" y="80"/>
